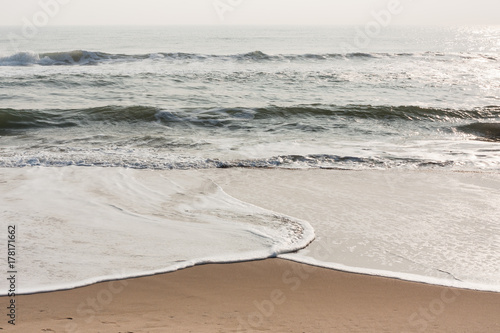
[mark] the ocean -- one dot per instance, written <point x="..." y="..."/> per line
<point x="116" y="100"/>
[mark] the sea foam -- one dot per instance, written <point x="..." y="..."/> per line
<point x="77" y="226"/>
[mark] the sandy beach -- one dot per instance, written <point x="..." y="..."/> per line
<point x="273" y="295"/>
<point x="237" y="174"/>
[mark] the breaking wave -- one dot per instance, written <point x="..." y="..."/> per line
<point x="82" y="57"/>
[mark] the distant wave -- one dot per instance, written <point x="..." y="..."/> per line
<point x="81" y="57"/>
<point x="11" y="119"/>
<point x="53" y="58"/>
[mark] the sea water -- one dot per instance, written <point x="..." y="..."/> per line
<point x="190" y="98"/>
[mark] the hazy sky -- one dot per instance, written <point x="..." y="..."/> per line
<point x="161" y="12"/>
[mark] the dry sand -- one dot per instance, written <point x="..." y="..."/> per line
<point x="272" y="295"/>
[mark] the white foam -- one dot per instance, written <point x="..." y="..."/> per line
<point x="392" y="274"/>
<point x="76" y="57"/>
<point x="77" y="226"/>
<point x="20" y="59"/>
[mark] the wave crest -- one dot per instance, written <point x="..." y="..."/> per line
<point x="232" y="117"/>
<point x="76" y="57"/>
<point x="81" y="57"/>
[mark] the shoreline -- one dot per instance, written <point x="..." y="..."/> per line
<point x="271" y="294"/>
<point x="295" y="194"/>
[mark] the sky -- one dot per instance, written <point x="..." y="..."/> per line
<point x="243" y="12"/>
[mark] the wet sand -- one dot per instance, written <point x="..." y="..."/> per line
<point x="271" y="295"/>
